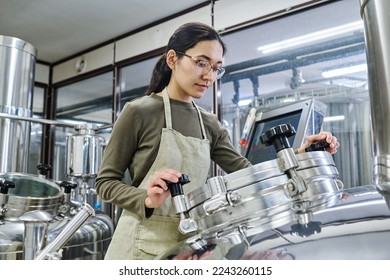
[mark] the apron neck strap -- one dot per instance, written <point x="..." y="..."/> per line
<point x="168" y="115"/>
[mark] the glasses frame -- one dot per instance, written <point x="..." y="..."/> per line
<point x="217" y="72"/>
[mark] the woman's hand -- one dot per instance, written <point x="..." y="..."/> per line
<point x="157" y="190"/>
<point x="332" y="140"/>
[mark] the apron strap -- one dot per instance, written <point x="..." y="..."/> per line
<point x="167" y="108"/>
<point x="168" y="116"/>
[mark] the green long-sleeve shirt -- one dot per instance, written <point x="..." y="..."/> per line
<point x="134" y="144"/>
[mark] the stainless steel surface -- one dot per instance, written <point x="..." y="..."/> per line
<point x="235" y="207"/>
<point x="84" y="152"/>
<point x="355" y="227"/>
<point x="17" y="71"/>
<point x="36" y="224"/>
<point x="68" y="231"/>
<point x="31" y="192"/>
<point x="90" y="242"/>
<point x="376" y="16"/>
<point x="35" y="120"/>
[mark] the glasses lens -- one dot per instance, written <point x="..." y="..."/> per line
<point x="204" y="67"/>
<point x="220" y="72"/>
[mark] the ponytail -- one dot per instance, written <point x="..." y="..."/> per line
<point x="160" y="76"/>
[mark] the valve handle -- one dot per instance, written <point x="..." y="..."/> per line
<point x="305" y="230"/>
<point x="5" y="186"/>
<point x="318" y="146"/>
<point x="68" y="186"/>
<point x="44" y="168"/>
<point x="176" y="188"/>
<point x="277" y="136"/>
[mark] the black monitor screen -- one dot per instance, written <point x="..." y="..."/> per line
<point x="258" y="152"/>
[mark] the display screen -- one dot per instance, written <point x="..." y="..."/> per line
<point x="258" y="152"/>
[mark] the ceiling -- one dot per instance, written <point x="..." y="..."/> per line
<point x="59" y="29"/>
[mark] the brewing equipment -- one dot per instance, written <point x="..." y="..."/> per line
<point x="17" y="71"/>
<point x="84" y="152"/>
<point x="231" y="210"/>
<point x="40" y="218"/>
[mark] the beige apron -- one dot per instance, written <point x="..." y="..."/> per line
<point x="145" y="238"/>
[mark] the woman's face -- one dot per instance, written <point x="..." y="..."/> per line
<point x="188" y="80"/>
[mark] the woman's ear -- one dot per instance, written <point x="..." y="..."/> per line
<point x="171" y="58"/>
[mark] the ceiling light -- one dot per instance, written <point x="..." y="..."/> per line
<point x="315" y="36"/>
<point x="244" y="102"/>
<point x="344" y="71"/>
<point x="334" y="118"/>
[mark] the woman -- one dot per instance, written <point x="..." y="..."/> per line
<point x="163" y="135"/>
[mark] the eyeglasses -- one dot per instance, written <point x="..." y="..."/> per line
<point x="203" y="66"/>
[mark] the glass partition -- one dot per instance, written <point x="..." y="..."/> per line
<point x="87" y="101"/>
<point x="299" y="56"/>
<point x="34" y="157"/>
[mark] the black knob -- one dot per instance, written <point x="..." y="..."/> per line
<point x="176" y="188"/>
<point x="277" y="136"/>
<point x="68" y="186"/>
<point x="318" y="146"/>
<point x="5" y="186"/>
<point x="44" y="169"/>
<point x="204" y="249"/>
<point x="305" y="230"/>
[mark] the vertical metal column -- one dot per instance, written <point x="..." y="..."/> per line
<point x="17" y="69"/>
<point x="376" y="16"/>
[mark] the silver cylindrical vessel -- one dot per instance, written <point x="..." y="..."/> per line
<point x="376" y="16"/>
<point x="17" y="70"/>
<point x="31" y="193"/>
<point x="84" y="152"/>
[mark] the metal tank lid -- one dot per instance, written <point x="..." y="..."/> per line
<point x="13" y="42"/>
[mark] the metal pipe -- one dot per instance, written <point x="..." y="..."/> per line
<point x="376" y="16"/>
<point x="69" y="230"/>
<point x="36" y="225"/>
<point x="50" y="122"/>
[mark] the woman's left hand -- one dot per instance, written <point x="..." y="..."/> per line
<point x="332" y="140"/>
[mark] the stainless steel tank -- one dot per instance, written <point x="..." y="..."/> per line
<point x="31" y="193"/>
<point x="227" y="214"/>
<point x="17" y="70"/>
<point x="355" y="227"/>
<point x="84" y="152"/>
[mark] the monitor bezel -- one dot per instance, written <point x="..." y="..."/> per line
<point x="306" y="107"/>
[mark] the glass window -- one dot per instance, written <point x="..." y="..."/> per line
<point x="36" y="131"/>
<point x="135" y="79"/>
<point x="318" y="53"/>
<point x="86" y="101"/>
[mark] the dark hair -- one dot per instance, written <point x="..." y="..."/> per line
<point x="184" y="38"/>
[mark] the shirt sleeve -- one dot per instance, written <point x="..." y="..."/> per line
<point x="116" y="160"/>
<point x="224" y="153"/>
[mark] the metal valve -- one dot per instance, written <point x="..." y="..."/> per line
<point x="4" y="187"/>
<point x="186" y="225"/>
<point x="277" y="136"/>
<point x="318" y="146"/>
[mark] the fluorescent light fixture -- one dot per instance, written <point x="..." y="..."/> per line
<point x="244" y="102"/>
<point x="315" y="36"/>
<point x="287" y="100"/>
<point x="334" y="118"/>
<point x="345" y="71"/>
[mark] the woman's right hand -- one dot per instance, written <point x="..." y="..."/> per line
<point x="157" y="190"/>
